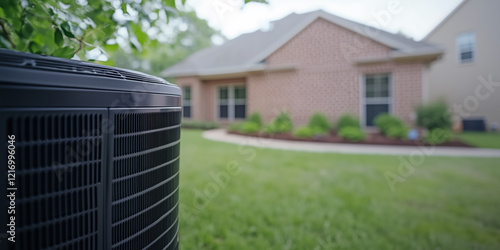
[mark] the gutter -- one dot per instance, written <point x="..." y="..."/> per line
<point x="429" y="54"/>
<point x="234" y="71"/>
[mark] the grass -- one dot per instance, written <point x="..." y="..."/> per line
<point x="481" y="139"/>
<point x="246" y="198"/>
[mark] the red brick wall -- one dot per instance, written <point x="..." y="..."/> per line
<point x="197" y="95"/>
<point x="211" y="95"/>
<point x="327" y="78"/>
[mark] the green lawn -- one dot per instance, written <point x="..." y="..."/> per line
<point x="481" y="139"/>
<point x="272" y="199"/>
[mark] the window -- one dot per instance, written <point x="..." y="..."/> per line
<point x="466" y="47"/>
<point x="232" y="102"/>
<point x="240" y="102"/>
<point x="186" y="102"/>
<point x="223" y="102"/>
<point x="377" y="96"/>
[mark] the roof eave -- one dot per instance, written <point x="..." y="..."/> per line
<point x="444" y="20"/>
<point x="425" y="54"/>
<point x="229" y="72"/>
<point x="394" y="56"/>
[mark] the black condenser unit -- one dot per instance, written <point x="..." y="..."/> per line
<point x="90" y="156"/>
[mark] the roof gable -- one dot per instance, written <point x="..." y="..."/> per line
<point x="452" y="13"/>
<point x="247" y="51"/>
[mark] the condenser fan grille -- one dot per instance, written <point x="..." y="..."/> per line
<point x="145" y="179"/>
<point x="59" y="183"/>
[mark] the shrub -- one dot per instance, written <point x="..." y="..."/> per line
<point x="281" y="124"/>
<point x="353" y="134"/>
<point x="319" y="123"/>
<point x="269" y="129"/>
<point x="235" y="127"/>
<point x="438" y="136"/>
<point x="249" y="127"/>
<point x="283" y="118"/>
<point x="255" y="118"/>
<point x="199" y="125"/>
<point x="385" y="121"/>
<point x="433" y="115"/>
<point x="347" y="120"/>
<point x="304" y="132"/>
<point x="319" y="132"/>
<point x="400" y="132"/>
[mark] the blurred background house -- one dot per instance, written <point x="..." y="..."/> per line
<point x="468" y="75"/>
<point x="306" y="63"/>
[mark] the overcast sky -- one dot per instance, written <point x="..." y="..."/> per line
<point x="414" y="18"/>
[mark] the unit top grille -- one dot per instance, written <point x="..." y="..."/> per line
<point x="26" y="60"/>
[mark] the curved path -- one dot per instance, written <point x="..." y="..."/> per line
<point x="344" y="148"/>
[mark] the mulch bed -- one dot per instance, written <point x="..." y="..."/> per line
<point x="372" y="138"/>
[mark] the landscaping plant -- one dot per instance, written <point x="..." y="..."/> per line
<point x="386" y="121"/>
<point x="433" y="115"/>
<point x="281" y="124"/>
<point x="255" y="118"/>
<point x="199" y="125"/>
<point x="249" y="128"/>
<point x="353" y="134"/>
<point x="400" y="132"/>
<point x="304" y="132"/>
<point x="438" y="136"/>
<point x="347" y="120"/>
<point x="319" y="123"/>
<point x="235" y="127"/>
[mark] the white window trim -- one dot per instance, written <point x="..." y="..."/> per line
<point x="231" y="101"/>
<point x="458" y="52"/>
<point x="375" y="100"/>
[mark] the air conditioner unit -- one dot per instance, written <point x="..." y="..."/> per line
<point x="94" y="156"/>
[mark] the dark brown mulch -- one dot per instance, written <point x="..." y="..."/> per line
<point x="372" y="138"/>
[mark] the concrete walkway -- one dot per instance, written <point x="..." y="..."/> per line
<point x="344" y="148"/>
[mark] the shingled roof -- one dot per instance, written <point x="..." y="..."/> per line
<point x="247" y="52"/>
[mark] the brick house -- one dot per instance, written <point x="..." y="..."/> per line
<point x="306" y="63"/>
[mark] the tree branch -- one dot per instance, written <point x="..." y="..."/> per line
<point x="80" y="45"/>
<point x="7" y="34"/>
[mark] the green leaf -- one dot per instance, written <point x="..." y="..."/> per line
<point x="27" y="30"/>
<point x="22" y="45"/>
<point x="170" y="3"/>
<point x="109" y="62"/>
<point x="124" y="8"/>
<point x="67" y="30"/>
<point x="65" y="52"/>
<point x="135" y="44"/>
<point x="58" y="38"/>
<point x="2" y="13"/>
<point x="96" y="4"/>
<point x="4" y="43"/>
<point x="50" y="11"/>
<point x="137" y="30"/>
<point x="34" y="47"/>
<point x="111" y="48"/>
